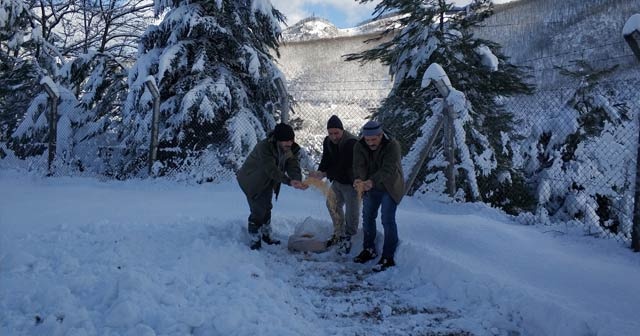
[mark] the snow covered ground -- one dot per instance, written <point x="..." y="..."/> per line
<point x="80" y="256"/>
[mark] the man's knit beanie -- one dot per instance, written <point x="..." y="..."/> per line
<point x="371" y="128"/>
<point x="283" y="132"/>
<point x="334" y="122"/>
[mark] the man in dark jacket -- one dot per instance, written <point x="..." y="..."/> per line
<point x="378" y="172"/>
<point x="272" y="161"/>
<point x="337" y="165"/>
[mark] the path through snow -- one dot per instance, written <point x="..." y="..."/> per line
<point x="352" y="300"/>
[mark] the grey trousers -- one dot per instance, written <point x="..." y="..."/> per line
<point x="344" y="209"/>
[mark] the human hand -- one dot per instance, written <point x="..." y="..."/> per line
<point x="299" y="185"/>
<point x="357" y="183"/>
<point x="317" y="174"/>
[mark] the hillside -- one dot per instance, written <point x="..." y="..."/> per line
<point x="542" y="34"/>
<point x="539" y="34"/>
<point x="576" y="144"/>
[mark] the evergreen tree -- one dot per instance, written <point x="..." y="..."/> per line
<point x="434" y="31"/>
<point x="91" y="89"/>
<point x="18" y="75"/>
<point x="211" y="63"/>
<point x="91" y="84"/>
<point x="98" y="85"/>
<point x="583" y="164"/>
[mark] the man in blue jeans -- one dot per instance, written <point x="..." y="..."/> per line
<point x="378" y="172"/>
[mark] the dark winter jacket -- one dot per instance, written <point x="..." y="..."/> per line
<point x="337" y="159"/>
<point x="264" y="169"/>
<point x="382" y="166"/>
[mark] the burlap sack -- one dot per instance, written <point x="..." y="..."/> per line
<point x="310" y="235"/>
<point x="306" y="242"/>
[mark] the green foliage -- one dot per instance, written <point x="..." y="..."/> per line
<point x="433" y="31"/>
<point x="18" y="82"/>
<point x="18" y="76"/>
<point x="513" y="196"/>
<point x="212" y="63"/>
<point x="594" y="112"/>
<point x="592" y="115"/>
<point x="99" y="82"/>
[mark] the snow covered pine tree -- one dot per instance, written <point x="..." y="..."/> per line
<point x="580" y="159"/>
<point x="83" y="70"/>
<point x="18" y="76"/>
<point x="211" y="63"/>
<point x="434" y="31"/>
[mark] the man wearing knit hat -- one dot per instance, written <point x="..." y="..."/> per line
<point x="337" y="165"/>
<point x="378" y="172"/>
<point x="272" y="161"/>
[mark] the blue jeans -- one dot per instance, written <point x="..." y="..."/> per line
<point x="371" y="203"/>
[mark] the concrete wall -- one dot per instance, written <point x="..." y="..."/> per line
<point x="317" y="70"/>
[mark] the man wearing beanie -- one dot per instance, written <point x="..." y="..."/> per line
<point x="337" y="165"/>
<point x="378" y="172"/>
<point x="272" y="161"/>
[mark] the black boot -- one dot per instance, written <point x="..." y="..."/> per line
<point x="332" y="241"/>
<point x="254" y="236"/>
<point x="255" y="244"/>
<point x="344" y="245"/>
<point x="366" y="255"/>
<point x="383" y="264"/>
<point x="270" y="241"/>
<point x="266" y="235"/>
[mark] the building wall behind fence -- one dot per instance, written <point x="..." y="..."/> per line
<point x="322" y="83"/>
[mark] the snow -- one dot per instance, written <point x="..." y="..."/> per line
<point x="458" y="103"/>
<point x="432" y="124"/>
<point x="435" y="73"/>
<point x="4" y="17"/>
<point x="487" y="58"/>
<point x="154" y="257"/>
<point x="170" y="56"/>
<point x="265" y="8"/>
<point x="466" y="161"/>
<point x="48" y="82"/>
<point x="253" y="68"/>
<point x="310" y="29"/>
<point x="633" y="24"/>
<point x="10" y="10"/>
<point x="315" y="28"/>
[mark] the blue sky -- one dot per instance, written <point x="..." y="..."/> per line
<point x="343" y="13"/>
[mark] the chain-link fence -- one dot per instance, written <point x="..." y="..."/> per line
<point x="577" y="146"/>
<point x="579" y="152"/>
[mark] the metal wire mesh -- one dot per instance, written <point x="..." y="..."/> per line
<point x="577" y="146"/>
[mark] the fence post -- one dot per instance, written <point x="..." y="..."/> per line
<point x="150" y="83"/>
<point x="423" y="156"/>
<point x="449" y="149"/>
<point x="635" y="230"/>
<point x="284" y="100"/>
<point x="631" y="34"/>
<point x="52" y="117"/>
<point x="447" y="119"/>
